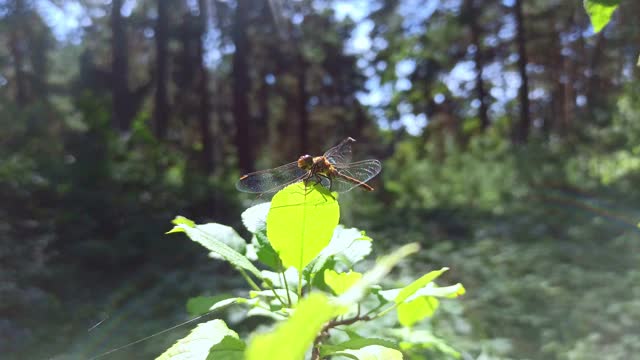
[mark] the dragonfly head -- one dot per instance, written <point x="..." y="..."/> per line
<point x="305" y="162"/>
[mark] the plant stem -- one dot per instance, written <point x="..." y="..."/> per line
<point x="324" y="333"/>
<point x="273" y="289"/>
<point x="286" y="287"/>
<point x="385" y="311"/>
<point x="299" y="285"/>
<point x="374" y="310"/>
<point x="275" y="293"/>
<point x="253" y="285"/>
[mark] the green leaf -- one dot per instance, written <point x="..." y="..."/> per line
<point x="412" y="339"/>
<point x="292" y="338"/>
<point x="350" y="244"/>
<point x="255" y="217"/>
<point x="200" y="340"/>
<point x="353" y="335"/>
<point x="263" y="312"/>
<point x="226" y="302"/>
<point x="355" y="344"/>
<point x="450" y="292"/>
<point x="600" y="12"/>
<point x="355" y="252"/>
<point x="269" y="294"/>
<point x="265" y="252"/>
<point x="341" y="355"/>
<point x="251" y="250"/>
<point x="215" y="242"/>
<point x="340" y="283"/>
<point x="255" y="220"/>
<point x="375" y="352"/>
<point x="204" y="304"/>
<point x="381" y="295"/>
<point x="181" y="220"/>
<point x="200" y="304"/>
<point x="300" y="223"/>
<point x="290" y="275"/>
<point x="430" y="289"/>
<point x="230" y="348"/>
<point x="410" y="289"/>
<point x="411" y="312"/>
<point x="225" y="234"/>
<point x="347" y="246"/>
<point x="417" y="300"/>
<point x="374" y="276"/>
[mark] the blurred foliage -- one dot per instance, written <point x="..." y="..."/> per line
<point x="542" y="232"/>
<point x="543" y="236"/>
<point x="91" y="207"/>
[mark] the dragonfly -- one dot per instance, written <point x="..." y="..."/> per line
<point x="334" y="170"/>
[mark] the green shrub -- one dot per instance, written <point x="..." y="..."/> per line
<point x="310" y="291"/>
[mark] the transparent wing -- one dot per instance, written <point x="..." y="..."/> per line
<point x="271" y="180"/>
<point x="338" y="184"/>
<point x="354" y="174"/>
<point x="341" y="153"/>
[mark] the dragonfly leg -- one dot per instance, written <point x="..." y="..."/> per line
<point x="330" y="185"/>
<point x="319" y="180"/>
<point x="307" y="177"/>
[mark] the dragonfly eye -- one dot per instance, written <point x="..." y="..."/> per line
<point x="305" y="162"/>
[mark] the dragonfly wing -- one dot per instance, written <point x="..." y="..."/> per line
<point x="271" y="180"/>
<point x="340" y="185"/>
<point x="337" y="184"/>
<point x="341" y="153"/>
<point x="361" y="172"/>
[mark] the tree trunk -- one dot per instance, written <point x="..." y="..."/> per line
<point x="553" y="113"/>
<point x="16" y="54"/>
<point x="262" y="122"/>
<point x="303" y="112"/>
<point x="240" y="74"/>
<point x="569" y="95"/>
<point x="479" y="64"/>
<point x="203" y="90"/>
<point x="594" y="77"/>
<point x="16" y="45"/>
<point x="161" y="109"/>
<point x="360" y="120"/>
<point x="523" y="127"/>
<point x="119" y="69"/>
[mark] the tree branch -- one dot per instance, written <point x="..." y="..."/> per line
<point x="324" y="333"/>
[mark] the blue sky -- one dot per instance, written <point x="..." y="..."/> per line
<point x="66" y="23"/>
<point x="376" y="94"/>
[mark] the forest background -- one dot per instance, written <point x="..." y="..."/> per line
<point x="509" y="133"/>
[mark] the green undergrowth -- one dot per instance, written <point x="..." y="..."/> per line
<point x="311" y="286"/>
<point x="545" y="236"/>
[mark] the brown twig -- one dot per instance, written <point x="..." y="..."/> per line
<point x="324" y="333"/>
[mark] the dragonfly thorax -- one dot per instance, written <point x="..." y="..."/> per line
<point x="317" y="165"/>
<point x="305" y="162"/>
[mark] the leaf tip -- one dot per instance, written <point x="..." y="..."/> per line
<point x="460" y="290"/>
<point x="176" y="229"/>
<point x="181" y="220"/>
<point x="600" y="12"/>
